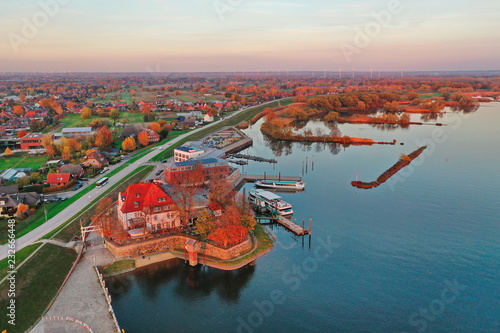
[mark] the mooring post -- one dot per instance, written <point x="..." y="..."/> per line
<point x="310" y="226"/>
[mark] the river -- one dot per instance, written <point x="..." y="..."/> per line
<point x="419" y="253"/>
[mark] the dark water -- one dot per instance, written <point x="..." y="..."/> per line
<point x="420" y="253"/>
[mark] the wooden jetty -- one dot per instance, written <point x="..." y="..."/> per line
<point x="239" y="162"/>
<point x="288" y="224"/>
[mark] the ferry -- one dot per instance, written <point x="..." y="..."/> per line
<point x="265" y="200"/>
<point x="281" y="184"/>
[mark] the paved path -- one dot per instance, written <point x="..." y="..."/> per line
<point x="74" y="208"/>
<point x="81" y="298"/>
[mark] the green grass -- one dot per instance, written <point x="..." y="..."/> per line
<point x="132" y="117"/>
<point x="125" y="96"/>
<point x="20" y="256"/>
<point x="429" y="95"/>
<point x="37" y="283"/>
<point x="34" y="162"/>
<point x="117" y="267"/>
<point x="75" y="120"/>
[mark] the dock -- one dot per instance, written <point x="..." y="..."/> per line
<point x="288" y="224"/>
<point x="254" y="158"/>
<point x="292" y="226"/>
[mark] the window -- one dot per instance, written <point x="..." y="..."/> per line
<point x="137" y="195"/>
<point x="161" y="199"/>
<point x="157" y="209"/>
<point x="136" y="204"/>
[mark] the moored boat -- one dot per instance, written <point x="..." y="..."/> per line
<point x="269" y="201"/>
<point x="281" y="184"/>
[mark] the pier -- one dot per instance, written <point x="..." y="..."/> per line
<point x="288" y="224"/>
<point x="254" y="158"/>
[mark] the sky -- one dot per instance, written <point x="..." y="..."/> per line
<point x="248" y="35"/>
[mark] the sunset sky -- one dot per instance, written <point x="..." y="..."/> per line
<point x="249" y="35"/>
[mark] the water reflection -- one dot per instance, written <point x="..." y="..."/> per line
<point x="190" y="283"/>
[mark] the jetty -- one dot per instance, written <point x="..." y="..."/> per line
<point x="254" y="158"/>
<point x="403" y="161"/>
<point x="288" y="224"/>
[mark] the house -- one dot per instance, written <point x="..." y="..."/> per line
<point x="212" y="167"/>
<point x="32" y="141"/>
<point x="75" y="170"/>
<point x="56" y="179"/>
<point x="130" y="131"/>
<point x="147" y="205"/>
<point x="208" y="118"/>
<point x="10" y="201"/>
<point x="152" y="136"/>
<point x="96" y="159"/>
<point x="72" y="132"/>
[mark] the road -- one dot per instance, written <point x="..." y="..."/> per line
<point x="75" y="208"/>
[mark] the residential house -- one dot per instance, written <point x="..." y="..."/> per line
<point x="182" y="154"/>
<point x="208" y="118"/>
<point x="56" y="179"/>
<point x="96" y="159"/>
<point x="130" y="131"/>
<point x="75" y="170"/>
<point x="153" y="136"/>
<point x="147" y="205"/>
<point x="10" y="201"/>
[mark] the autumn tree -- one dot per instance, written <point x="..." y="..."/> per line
<point x="205" y="223"/>
<point x="143" y="138"/>
<point x="70" y="105"/>
<point x="114" y="114"/>
<point x="22" y="97"/>
<point x="104" y="138"/>
<point x="155" y="127"/>
<point x="21" y="133"/>
<point x="66" y="153"/>
<point x="18" y="110"/>
<point x="21" y="210"/>
<point x="129" y="144"/>
<point x="332" y="116"/>
<point x="86" y="113"/>
<point x="8" y="152"/>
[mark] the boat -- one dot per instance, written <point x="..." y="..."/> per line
<point x="268" y="201"/>
<point x="281" y="184"/>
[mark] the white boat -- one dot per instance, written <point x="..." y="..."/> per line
<point x="281" y="184"/>
<point x="270" y="201"/>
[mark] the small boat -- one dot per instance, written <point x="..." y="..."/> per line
<point x="265" y="200"/>
<point x="281" y="184"/>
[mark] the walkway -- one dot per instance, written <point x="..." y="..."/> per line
<point x="81" y="298"/>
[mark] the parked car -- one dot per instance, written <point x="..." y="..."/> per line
<point x="164" y="161"/>
<point x="84" y="179"/>
<point x="159" y="172"/>
<point x="77" y="186"/>
<point x="60" y="198"/>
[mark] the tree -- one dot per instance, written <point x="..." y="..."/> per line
<point x="114" y="114"/>
<point x="148" y="116"/>
<point x="8" y="152"/>
<point x="129" y="144"/>
<point x="143" y="138"/>
<point x="332" y="116"/>
<point x="21" y="210"/>
<point x="21" y="133"/>
<point x="86" y="113"/>
<point x="18" y="110"/>
<point x="70" y="105"/>
<point x="104" y="138"/>
<point x="229" y="235"/>
<point x="155" y="127"/>
<point x="205" y="223"/>
<point x="23" y="181"/>
<point x="66" y="153"/>
<point x="184" y="190"/>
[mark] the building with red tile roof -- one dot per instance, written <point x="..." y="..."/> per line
<point x="147" y="205"/>
<point x="55" y="179"/>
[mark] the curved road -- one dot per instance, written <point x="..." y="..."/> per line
<point x="75" y="207"/>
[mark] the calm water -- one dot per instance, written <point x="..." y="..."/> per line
<point x="379" y="260"/>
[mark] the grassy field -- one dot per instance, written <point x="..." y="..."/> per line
<point x="20" y="256"/>
<point x="117" y="267"/>
<point x="75" y="120"/>
<point x="125" y="96"/>
<point x="34" y="162"/>
<point x="37" y="283"/>
<point x="429" y="95"/>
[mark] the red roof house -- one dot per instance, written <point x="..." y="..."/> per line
<point x="55" y="179"/>
<point x="147" y="205"/>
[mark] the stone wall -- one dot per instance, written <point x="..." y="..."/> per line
<point x="148" y="247"/>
